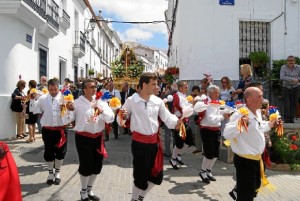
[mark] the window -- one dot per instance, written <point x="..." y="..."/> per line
<point x="43" y="61"/>
<point x="253" y="36"/>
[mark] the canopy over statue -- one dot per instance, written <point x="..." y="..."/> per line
<point x="127" y="68"/>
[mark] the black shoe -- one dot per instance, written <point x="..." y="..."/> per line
<point x="204" y="180"/>
<point x="106" y="138"/>
<point x="93" y="197"/>
<point x="233" y="194"/>
<point x="85" y="199"/>
<point x="211" y="178"/>
<point x="179" y="161"/>
<point x="57" y="181"/>
<point x="175" y="167"/>
<point x="292" y="121"/>
<point x="116" y="136"/>
<point x="50" y="182"/>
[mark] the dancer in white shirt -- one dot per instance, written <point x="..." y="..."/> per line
<point x="144" y="109"/>
<point x="210" y="133"/>
<point x="90" y="116"/>
<point x="53" y="130"/>
<point x="248" y="145"/>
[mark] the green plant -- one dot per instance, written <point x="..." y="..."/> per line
<point x="286" y="151"/>
<point x="259" y="59"/>
<point x="91" y="71"/>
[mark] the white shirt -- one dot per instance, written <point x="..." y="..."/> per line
<point x="182" y="102"/>
<point x="84" y="110"/>
<point x="144" y="114"/>
<point x="251" y="142"/>
<point x="212" y="117"/>
<point x="50" y="108"/>
<point x="114" y="93"/>
<point x="225" y="94"/>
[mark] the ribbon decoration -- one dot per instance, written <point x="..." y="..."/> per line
<point x="182" y="131"/>
<point x="242" y="125"/>
<point x="276" y="116"/>
<point x="120" y="114"/>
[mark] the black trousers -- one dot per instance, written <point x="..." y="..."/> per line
<point x="211" y="142"/>
<point x="90" y="160"/>
<point x="179" y="142"/>
<point x="51" y="138"/>
<point x="290" y="99"/>
<point x="143" y="160"/>
<point x="247" y="178"/>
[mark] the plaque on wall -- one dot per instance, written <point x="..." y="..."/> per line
<point x="227" y="2"/>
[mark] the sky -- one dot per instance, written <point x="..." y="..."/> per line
<point x="152" y="35"/>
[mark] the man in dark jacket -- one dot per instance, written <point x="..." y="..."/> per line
<point x="126" y="92"/>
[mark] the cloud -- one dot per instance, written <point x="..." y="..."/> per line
<point x="136" y="10"/>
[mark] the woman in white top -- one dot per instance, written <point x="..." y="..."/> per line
<point x="226" y="91"/>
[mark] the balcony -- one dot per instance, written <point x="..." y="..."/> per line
<point x="51" y="28"/>
<point x="29" y="11"/>
<point x="65" y="20"/>
<point x="79" y="45"/>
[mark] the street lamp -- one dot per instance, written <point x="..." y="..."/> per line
<point x="92" y="24"/>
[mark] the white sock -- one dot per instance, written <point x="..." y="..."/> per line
<point x="50" y="169"/>
<point x="150" y="186"/>
<point x="135" y="192"/>
<point x="84" y="181"/>
<point x="83" y="194"/>
<point x="57" y="164"/>
<point x="205" y="163"/>
<point x="91" y="181"/>
<point x="203" y="173"/>
<point x="211" y="164"/>
<point x="176" y="151"/>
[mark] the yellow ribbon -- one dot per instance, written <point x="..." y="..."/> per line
<point x="182" y="131"/>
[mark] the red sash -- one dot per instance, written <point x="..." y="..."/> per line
<point x="9" y="177"/>
<point x="62" y="134"/>
<point x="152" y="139"/>
<point x="101" y="150"/>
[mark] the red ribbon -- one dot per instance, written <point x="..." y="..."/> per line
<point x="152" y="139"/>
<point x="63" y="139"/>
<point x="101" y="150"/>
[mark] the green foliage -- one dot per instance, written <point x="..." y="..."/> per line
<point x="284" y="153"/>
<point x="259" y="59"/>
<point x="91" y="71"/>
<point x="118" y="70"/>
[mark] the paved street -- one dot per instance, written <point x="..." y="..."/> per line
<point x="115" y="180"/>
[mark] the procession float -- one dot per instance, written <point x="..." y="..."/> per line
<point x="127" y="68"/>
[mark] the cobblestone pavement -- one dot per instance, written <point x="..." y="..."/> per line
<point x="115" y="181"/>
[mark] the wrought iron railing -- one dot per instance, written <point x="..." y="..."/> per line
<point x="66" y="17"/>
<point x="52" y="14"/>
<point x="80" y="40"/>
<point x="38" y="5"/>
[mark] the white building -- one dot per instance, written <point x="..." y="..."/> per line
<point x="47" y="37"/>
<point x="206" y="36"/>
<point x="155" y="60"/>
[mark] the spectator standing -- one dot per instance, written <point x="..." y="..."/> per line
<point x="246" y="79"/>
<point x="290" y="76"/>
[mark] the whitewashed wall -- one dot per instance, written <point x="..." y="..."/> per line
<point x="206" y="36"/>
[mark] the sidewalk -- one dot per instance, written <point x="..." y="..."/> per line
<point x="115" y="181"/>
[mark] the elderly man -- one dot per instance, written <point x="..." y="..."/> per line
<point x="290" y="76"/>
<point x="248" y="145"/>
<point x="114" y="93"/>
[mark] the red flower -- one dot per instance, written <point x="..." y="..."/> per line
<point x="294" y="138"/>
<point x="98" y="95"/>
<point x="293" y="147"/>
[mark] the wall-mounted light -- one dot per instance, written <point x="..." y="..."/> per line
<point x="91" y="25"/>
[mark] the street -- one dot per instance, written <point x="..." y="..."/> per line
<point x="115" y="181"/>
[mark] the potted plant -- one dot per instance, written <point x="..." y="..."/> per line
<point x="259" y="60"/>
<point x="91" y="71"/>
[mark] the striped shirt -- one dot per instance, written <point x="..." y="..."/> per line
<point x="287" y="75"/>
